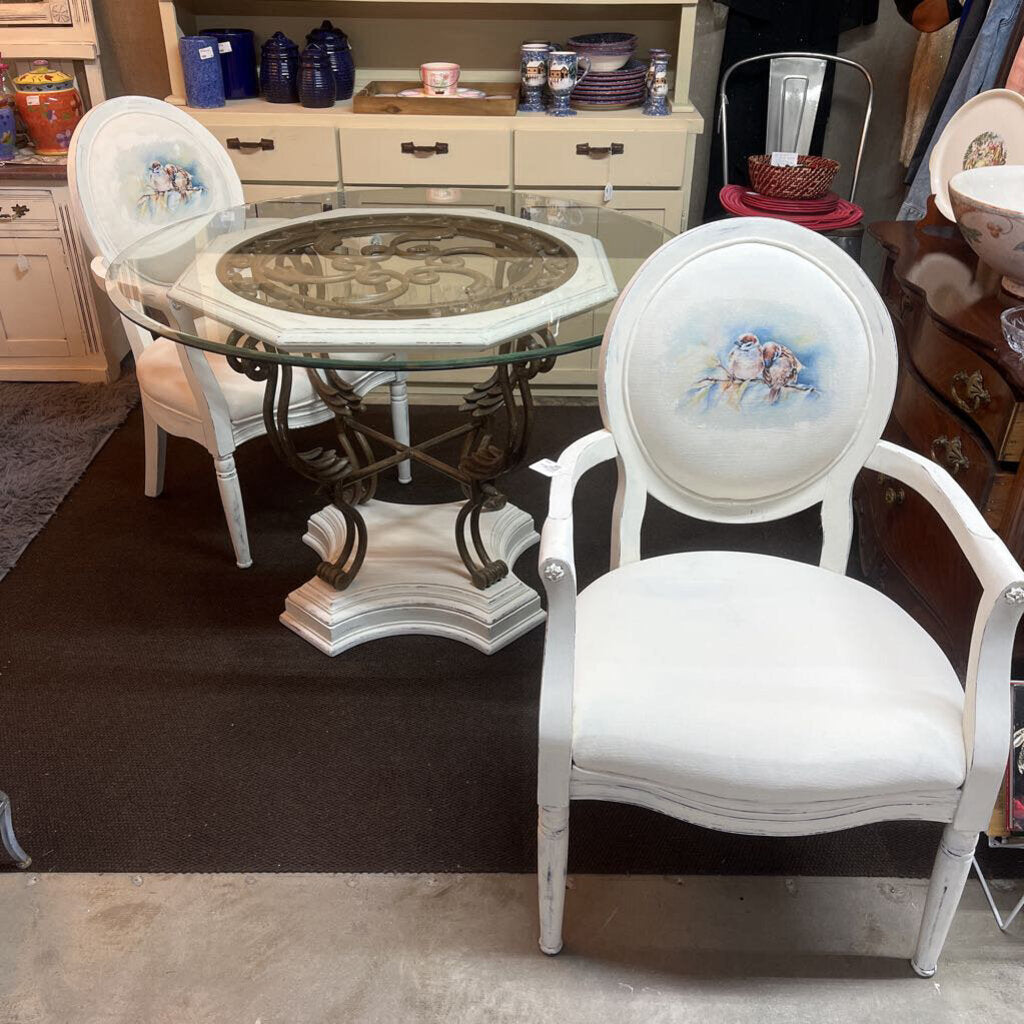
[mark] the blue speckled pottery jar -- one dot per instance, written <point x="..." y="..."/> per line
<point x="237" y="48"/>
<point x="204" y="83"/>
<point x="317" y="87"/>
<point x="279" y="70"/>
<point x="339" y="53"/>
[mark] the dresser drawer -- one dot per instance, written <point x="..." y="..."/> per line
<point x="28" y="210"/>
<point x="566" y="159"/>
<point x="410" y="155"/>
<point x="281" y="152"/>
<point x="938" y="433"/>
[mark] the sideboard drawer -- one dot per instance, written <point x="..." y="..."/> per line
<point x="411" y="155"/>
<point x="966" y="380"/>
<point x="579" y="157"/>
<point x="27" y="210"/>
<point x="280" y="152"/>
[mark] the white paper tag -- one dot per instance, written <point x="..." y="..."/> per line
<point x="205" y="52"/>
<point x="608" y="192"/>
<point x="22" y="264"/>
<point x="224" y="46"/>
<point x="32" y="101"/>
<point x="546" y="467"/>
<point x="784" y="160"/>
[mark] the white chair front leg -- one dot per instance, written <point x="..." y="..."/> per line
<point x="400" y="423"/>
<point x="156" y="454"/>
<point x="552" y="857"/>
<point x="952" y="866"/>
<point x="234" y="511"/>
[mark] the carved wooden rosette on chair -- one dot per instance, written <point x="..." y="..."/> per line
<point x="748" y="370"/>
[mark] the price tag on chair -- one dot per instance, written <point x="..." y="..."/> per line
<point x="546" y="467"/>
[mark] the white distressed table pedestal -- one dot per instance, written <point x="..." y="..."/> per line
<point x="414" y="582"/>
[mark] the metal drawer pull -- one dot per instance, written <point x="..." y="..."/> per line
<point x="586" y="149"/>
<point x="974" y="387"/>
<point x="894" y="496"/>
<point x="436" y="149"/>
<point x="17" y="212"/>
<point x="953" y="451"/>
<point x="238" y="144"/>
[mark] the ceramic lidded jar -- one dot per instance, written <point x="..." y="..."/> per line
<point x="279" y="69"/>
<point x="50" y="107"/>
<point x="339" y="52"/>
<point x="316" y="78"/>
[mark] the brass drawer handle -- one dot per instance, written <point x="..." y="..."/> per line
<point x="239" y="144"/>
<point x="586" y="149"/>
<point x="892" y="495"/>
<point x="436" y="149"/>
<point x="953" y="451"/>
<point x="17" y="212"/>
<point x="974" y="388"/>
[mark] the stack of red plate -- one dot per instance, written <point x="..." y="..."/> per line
<point x="829" y="213"/>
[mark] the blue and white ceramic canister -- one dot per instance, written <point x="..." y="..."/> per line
<point x="237" y="50"/>
<point x="200" y="62"/>
<point x="279" y="70"/>
<point x="317" y="87"/>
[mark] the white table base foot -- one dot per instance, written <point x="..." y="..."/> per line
<point x="413" y="581"/>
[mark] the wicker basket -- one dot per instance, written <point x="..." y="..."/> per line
<point x="810" y="179"/>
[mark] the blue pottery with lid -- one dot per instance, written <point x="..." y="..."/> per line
<point x="339" y="52"/>
<point x="279" y="69"/>
<point x="316" y="78"/>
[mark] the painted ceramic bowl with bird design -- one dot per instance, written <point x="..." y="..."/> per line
<point x="988" y="204"/>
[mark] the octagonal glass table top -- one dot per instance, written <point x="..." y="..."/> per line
<point x="390" y="278"/>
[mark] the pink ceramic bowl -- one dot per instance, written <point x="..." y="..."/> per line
<point x="440" y="78"/>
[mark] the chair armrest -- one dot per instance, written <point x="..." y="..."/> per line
<point x="986" y="722"/>
<point x="98" y="266"/>
<point x="558" y="571"/>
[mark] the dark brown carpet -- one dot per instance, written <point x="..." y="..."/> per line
<point x="154" y="716"/>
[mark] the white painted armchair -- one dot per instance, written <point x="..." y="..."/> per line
<point x="135" y="165"/>
<point x="748" y="370"/>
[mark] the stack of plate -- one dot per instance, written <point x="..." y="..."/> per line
<point x="829" y="213"/>
<point x="612" y="90"/>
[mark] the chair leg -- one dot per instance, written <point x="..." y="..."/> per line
<point x="400" y="424"/>
<point x="952" y="866"/>
<point x="552" y="856"/>
<point x="10" y="843"/>
<point x="234" y="511"/>
<point x="156" y="455"/>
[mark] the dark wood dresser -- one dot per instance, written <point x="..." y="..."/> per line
<point x="960" y="401"/>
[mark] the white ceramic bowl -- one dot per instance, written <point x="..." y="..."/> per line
<point x="988" y="204"/>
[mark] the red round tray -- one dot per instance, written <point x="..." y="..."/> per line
<point x="844" y="215"/>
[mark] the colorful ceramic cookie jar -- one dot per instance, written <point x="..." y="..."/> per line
<point x="50" y="106"/>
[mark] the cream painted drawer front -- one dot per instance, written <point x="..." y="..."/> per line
<point x="300" y="152"/>
<point x="29" y="210"/>
<point x="284" y="190"/>
<point x="475" y="156"/>
<point x="649" y="159"/>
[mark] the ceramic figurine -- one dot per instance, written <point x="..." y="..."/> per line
<point x="656" y="104"/>
<point x="8" y="131"/>
<point x="563" y="77"/>
<point x="50" y="107"/>
<point x="339" y="52"/>
<point x="317" y="87"/>
<point x="200" y="62"/>
<point x="237" y="49"/>
<point x="279" y="70"/>
<point x="533" y="73"/>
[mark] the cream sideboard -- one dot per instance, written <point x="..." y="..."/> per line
<point x="282" y="149"/>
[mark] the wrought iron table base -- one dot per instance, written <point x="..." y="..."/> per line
<point x="10" y="842"/>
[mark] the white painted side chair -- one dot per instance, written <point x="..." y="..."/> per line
<point x="121" y="169"/>
<point x="748" y="370"/>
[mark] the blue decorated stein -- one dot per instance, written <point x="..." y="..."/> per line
<point x="279" y="70"/>
<point x="533" y="76"/>
<point x="656" y="104"/>
<point x="563" y="77"/>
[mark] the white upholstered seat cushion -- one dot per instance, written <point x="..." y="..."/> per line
<point x="749" y="677"/>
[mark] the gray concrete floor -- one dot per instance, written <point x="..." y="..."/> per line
<point x="327" y="949"/>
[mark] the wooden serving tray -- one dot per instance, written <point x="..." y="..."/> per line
<point x="502" y="100"/>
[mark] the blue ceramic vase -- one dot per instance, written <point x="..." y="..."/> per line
<point x="204" y="83"/>
<point x="317" y="87"/>
<point x="8" y="131"/>
<point x="279" y="70"/>
<point x="237" y="47"/>
<point x="339" y="52"/>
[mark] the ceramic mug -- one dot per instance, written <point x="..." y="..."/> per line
<point x="440" y="78"/>
<point x="563" y="76"/>
<point x="533" y="75"/>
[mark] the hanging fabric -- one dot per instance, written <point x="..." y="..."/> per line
<point x="930" y="60"/>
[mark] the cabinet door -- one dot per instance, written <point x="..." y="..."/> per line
<point x="38" y="311"/>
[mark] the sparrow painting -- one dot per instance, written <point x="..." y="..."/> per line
<point x="781" y="369"/>
<point x="746" y="358"/>
<point x="167" y="187"/>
